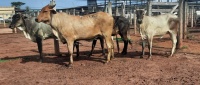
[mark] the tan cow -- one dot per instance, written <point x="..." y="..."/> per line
<point x="74" y="28"/>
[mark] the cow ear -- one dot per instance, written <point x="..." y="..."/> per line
<point x="53" y="11"/>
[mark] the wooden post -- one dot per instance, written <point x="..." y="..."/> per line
<point x="135" y="21"/>
<point x="192" y="16"/>
<point x="4" y="23"/>
<point x="74" y="12"/>
<point x="149" y="8"/>
<point x="106" y="9"/>
<point x="93" y="9"/>
<point x="130" y="10"/>
<point x="110" y="8"/>
<point x="117" y="12"/>
<point x="123" y="9"/>
<point x="180" y="31"/>
<point x="184" y="20"/>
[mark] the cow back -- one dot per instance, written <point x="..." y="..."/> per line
<point x="82" y="27"/>
<point x="35" y="29"/>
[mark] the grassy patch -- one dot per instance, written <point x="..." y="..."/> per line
<point x="6" y="60"/>
<point x="184" y="47"/>
<point x="3" y="61"/>
<point x="119" y="39"/>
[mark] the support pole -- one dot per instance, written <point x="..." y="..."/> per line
<point x="180" y="31"/>
<point x="117" y="12"/>
<point x="192" y="16"/>
<point x="135" y="23"/>
<point x="123" y="9"/>
<point x="149" y="8"/>
<point x="110" y="8"/>
<point x="185" y="20"/>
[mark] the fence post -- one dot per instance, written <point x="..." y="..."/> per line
<point x="123" y="9"/>
<point x="180" y="31"/>
<point x="185" y="20"/>
<point x="135" y="21"/>
<point x="192" y="16"/>
<point x="110" y="8"/>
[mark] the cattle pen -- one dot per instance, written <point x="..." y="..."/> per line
<point x="19" y="57"/>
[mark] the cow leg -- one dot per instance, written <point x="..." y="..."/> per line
<point x="110" y="46"/>
<point x="70" y="44"/>
<point x="174" y="41"/>
<point x="76" y="44"/>
<point x="125" y="39"/>
<point x="124" y="52"/>
<point x="143" y="46"/>
<point x="39" y="44"/>
<point x="102" y="45"/>
<point x="93" y="45"/>
<point x="150" y="40"/>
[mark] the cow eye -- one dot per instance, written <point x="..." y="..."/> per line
<point x="44" y="11"/>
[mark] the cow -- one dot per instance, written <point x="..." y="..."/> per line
<point x="32" y="30"/>
<point x="150" y="26"/>
<point x="121" y="27"/>
<point x="74" y="28"/>
<point x="36" y="32"/>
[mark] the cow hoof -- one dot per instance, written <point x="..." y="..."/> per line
<point x="141" y="57"/>
<point x="77" y="57"/>
<point x="41" y="61"/>
<point x="106" y="62"/>
<point x="149" y="58"/>
<point x="69" y="66"/>
<point x="112" y="58"/>
<point x="124" y="53"/>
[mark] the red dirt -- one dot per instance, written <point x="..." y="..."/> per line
<point x="20" y="64"/>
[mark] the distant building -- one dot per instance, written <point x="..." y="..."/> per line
<point x="7" y="12"/>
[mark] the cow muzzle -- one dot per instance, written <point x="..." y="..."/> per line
<point x="139" y="21"/>
<point x="12" y="26"/>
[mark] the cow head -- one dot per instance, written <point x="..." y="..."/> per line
<point x="140" y="14"/>
<point x="17" y="21"/>
<point x="45" y="14"/>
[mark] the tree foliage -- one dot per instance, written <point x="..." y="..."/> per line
<point x="17" y="4"/>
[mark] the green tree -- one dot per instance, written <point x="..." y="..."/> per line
<point x="17" y="4"/>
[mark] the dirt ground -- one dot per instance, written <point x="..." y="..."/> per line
<point x="19" y="64"/>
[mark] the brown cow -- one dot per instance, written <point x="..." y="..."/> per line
<point x="74" y="28"/>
